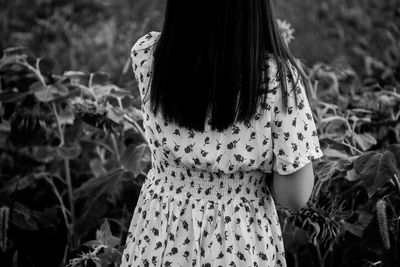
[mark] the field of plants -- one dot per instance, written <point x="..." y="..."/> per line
<point x="73" y="155"/>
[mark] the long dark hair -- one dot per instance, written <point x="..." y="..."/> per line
<point x="210" y="56"/>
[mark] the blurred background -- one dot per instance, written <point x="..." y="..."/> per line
<point x="73" y="155"/>
<point x="97" y="34"/>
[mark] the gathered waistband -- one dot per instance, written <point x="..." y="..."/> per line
<point x="189" y="183"/>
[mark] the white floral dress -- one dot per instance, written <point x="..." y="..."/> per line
<point x="205" y="201"/>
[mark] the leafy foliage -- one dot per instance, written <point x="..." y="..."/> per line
<point x="75" y="137"/>
<point x="357" y="188"/>
<point x="91" y="35"/>
<point x="102" y="251"/>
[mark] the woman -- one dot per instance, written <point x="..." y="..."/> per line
<point x="224" y="104"/>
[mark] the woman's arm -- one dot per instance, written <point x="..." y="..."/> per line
<point x="293" y="190"/>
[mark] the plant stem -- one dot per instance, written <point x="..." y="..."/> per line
<point x="138" y="128"/>
<point x="68" y="180"/>
<point x="71" y="225"/>
<point x="65" y="255"/>
<point x="320" y="261"/>
<point x="396" y="239"/>
<point x="295" y="259"/>
<point x="60" y="131"/>
<point x="348" y="190"/>
<point x="352" y="147"/>
<point x="115" y="145"/>
<point x="37" y="73"/>
<point x="397" y="183"/>
<point x="106" y="147"/>
<point x="71" y="200"/>
<point x="316" y="189"/>
<point x="58" y="195"/>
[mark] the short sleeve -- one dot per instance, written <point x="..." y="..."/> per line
<point x="294" y="136"/>
<point x="141" y="55"/>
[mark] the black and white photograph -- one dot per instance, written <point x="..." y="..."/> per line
<point x="213" y="133"/>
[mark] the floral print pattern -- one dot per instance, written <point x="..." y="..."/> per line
<point x="205" y="201"/>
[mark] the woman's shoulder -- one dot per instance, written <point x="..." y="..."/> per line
<point x="271" y="63"/>
<point x="145" y="42"/>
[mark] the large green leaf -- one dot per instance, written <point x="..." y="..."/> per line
<point x="105" y="237"/>
<point x="115" y="114"/>
<point x="11" y="96"/>
<point x="325" y="170"/>
<point x="334" y="144"/>
<point x="102" y="90"/>
<point x="376" y="168"/>
<point x="136" y="158"/>
<point x="97" y="167"/>
<point x="358" y="226"/>
<point x="77" y="77"/>
<point x="45" y="65"/>
<point x="335" y="154"/>
<point x="51" y="92"/>
<point x="99" y="78"/>
<point x="70" y="151"/>
<point x="44" y="154"/>
<point x="25" y="218"/>
<point x="14" y="51"/>
<point x="96" y="195"/>
<point x="24" y="182"/>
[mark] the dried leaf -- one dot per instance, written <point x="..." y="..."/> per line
<point x="365" y="140"/>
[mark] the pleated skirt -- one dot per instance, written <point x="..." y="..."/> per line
<point x="193" y="218"/>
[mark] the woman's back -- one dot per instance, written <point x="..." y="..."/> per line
<point x="246" y="146"/>
<point x="205" y="200"/>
